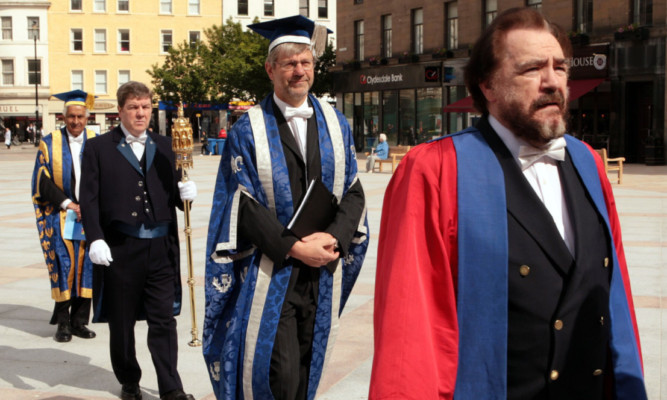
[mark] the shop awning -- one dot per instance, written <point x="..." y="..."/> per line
<point x="578" y="88"/>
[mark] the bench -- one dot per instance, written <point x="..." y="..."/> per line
<point x="396" y="153"/>
<point x="612" y="164"/>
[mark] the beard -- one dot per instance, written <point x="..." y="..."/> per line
<point x="526" y="125"/>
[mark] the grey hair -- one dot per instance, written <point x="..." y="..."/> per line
<point x="383" y="137"/>
<point x="288" y="50"/>
<point x="66" y="107"/>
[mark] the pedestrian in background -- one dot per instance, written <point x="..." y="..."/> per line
<point x="8" y="137"/>
<point x="501" y="272"/>
<point x="381" y="152"/>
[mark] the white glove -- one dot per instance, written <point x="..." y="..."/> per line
<point x="188" y="190"/>
<point x="100" y="253"/>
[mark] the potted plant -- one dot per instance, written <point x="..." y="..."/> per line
<point x="404" y="58"/>
<point x="373" y="61"/>
<point x="443" y="52"/>
<point x="384" y="61"/>
<point x="631" y="32"/>
<point x="579" y="38"/>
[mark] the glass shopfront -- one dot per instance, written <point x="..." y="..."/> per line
<point x="404" y="101"/>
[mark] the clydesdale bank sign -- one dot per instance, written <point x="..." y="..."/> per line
<point x="388" y="78"/>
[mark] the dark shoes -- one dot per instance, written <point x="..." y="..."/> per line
<point x="64" y="333"/>
<point x="83" y="332"/>
<point x="130" y="391"/>
<point x="177" y="394"/>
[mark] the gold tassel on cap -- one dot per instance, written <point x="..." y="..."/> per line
<point x="90" y="101"/>
<point x="318" y="41"/>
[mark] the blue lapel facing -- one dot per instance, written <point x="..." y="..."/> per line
<point x="482" y="270"/>
<point x="628" y="374"/>
<point x="150" y="152"/>
<point x="66" y="163"/>
<point x="127" y="152"/>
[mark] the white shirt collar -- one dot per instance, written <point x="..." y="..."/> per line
<point x="126" y="132"/>
<point x="283" y="105"/>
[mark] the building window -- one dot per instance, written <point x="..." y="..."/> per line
<point x="243" y="7"/>
<point x="322" y="9"/>
<point x="34" y="72"/>
<point x="123" y="5"/>
<point x="33" y="28"/>
<point x="165" y="6"/>
<point x="642" y="12"/>
<point x="194" y="37"/>
<point x="124" y="40"/>
<point x="77" y="40"/>
<point x="100" y="82"/>
<point x="359" y="40"/>
<point x="193" y="7"/>
<point x="165" y="40"/>
<point x="303" y="8"/>
<point x="77" y="79"/>
<point x="386" y="36"/>
<point x="452" y="25"/>
<point x="75" y="5"/>
<point x="100" y="41"/>
<point x="358" y="1"/>
<point x="268" y="8"/>
<point x="418" y="30"/>
<point x="583" y="16"/>
<point x="490" y="11"/>
<point x="8" y="72"/>
<point x="6" y="28"/>
<point x="100" y="5"/>
<point x="537" y="4"/>
<point x="123" y="77"/>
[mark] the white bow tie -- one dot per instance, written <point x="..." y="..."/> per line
<point x="133" y="139"/>
<point x="76" y="139"/>
<point x="303" y="112"/>
<point x="528" y="154"/>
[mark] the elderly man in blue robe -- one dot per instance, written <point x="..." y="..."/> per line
<point x="55" y="192"/>
<point x="273" y="298"/>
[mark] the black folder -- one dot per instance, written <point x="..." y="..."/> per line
<point x="316" y="211"/>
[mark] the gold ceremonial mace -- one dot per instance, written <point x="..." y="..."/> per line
<point x="181" y="143"/>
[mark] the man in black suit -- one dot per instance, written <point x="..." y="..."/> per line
<point x="501" y="272"/>
<point x="130" y="191"/>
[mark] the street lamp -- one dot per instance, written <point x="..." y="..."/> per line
<point x="35" y="30"/>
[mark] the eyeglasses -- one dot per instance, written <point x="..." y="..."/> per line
<point x="291" y="66"/>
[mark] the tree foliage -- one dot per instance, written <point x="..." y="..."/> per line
<point x="323" y="78"/>
<point x="228" y="65"/>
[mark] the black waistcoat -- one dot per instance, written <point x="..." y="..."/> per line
<point x="558" y="311"/>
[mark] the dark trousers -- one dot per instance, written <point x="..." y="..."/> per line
<point x="75" y="311"/>
<point x="141" y="280"/>
<point x="292" y="348"/>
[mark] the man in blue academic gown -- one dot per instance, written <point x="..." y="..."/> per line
<point x="56" y="181"/>
<point x="273" y="299"/>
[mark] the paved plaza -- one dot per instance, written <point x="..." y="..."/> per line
<point x="34" y="366"/>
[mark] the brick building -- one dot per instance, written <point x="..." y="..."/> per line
<point x="399" y="68"/>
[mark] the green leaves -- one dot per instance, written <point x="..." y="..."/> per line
<point x="227" y="66"/>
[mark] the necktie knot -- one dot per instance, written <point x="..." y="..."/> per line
<point x="134" y="139"/>
<point x="303" y="112"/>
<point x="529" y="155"/>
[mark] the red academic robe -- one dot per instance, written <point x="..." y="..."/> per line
<point x="416" y="323"/>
